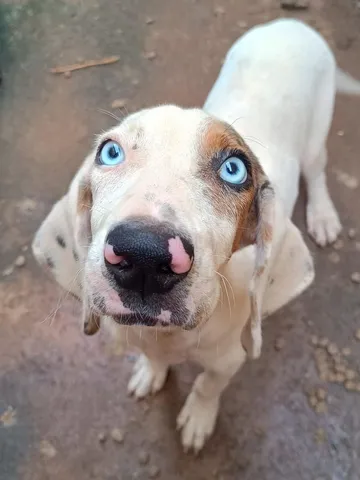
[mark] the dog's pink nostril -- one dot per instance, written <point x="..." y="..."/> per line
<point x="181" y="262"/>
<point x="110" y="256"/>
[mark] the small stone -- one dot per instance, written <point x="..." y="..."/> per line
<point x="117" y="435"/>
<point x="67" y="75"/>
<point x="8" y="418"/>
<point x="324" y="342"/>
<point x="350" y="374"/>
<point x="313" y="401"/>
<point x="355" y="277"/>
<point x="242" y="24"/>
<point x="357" y="246"/>
<point x="119" y="103"/>
<point x="332" y="349"/>
<point x="357" y="334"/>
<point x="8" y="271"/>
<point x="321" y="393"/>
<point x="350" y="385"/>
<point x="340" y="368"/>
<point x="135" y="81"/>
<point x="357" y="387"/>
<point x="352" y="233"/>
<point x="320" y="436"/>
<point x="150" y="21"/>
<point x="20" y="261"/>
<point x="346" y="179"/>
<point x="321" y="407"/>
<point x="346" y="351"/>
<point x="219" y="11"/>
<point x="340" y="133"/>
<point x="294" y="4"/>
<point x="154" y="471"/>
<point x="150" y="55"/>
<point x="334" y="257"/>
<point x="144" y="457"/>
<point x="338" y="245"/>
<point x="47" y="449"/>
<point x="24" y="248"/>
<point x="102" y="437"/>
<point x="279" y="343"/>
<point x="314" y="340"/>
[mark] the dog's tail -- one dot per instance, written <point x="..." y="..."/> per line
<point x="346" y="84"/>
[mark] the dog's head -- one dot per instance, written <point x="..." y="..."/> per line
<point x="162" y="203"/>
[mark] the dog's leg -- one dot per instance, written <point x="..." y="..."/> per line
<point x="322" y="219"/>
<point x="198" y="416"/>
<point x="148" y="377"/>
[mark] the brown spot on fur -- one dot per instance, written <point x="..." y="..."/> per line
<point x="84" y="198"/>
<point x="240" y="206"/>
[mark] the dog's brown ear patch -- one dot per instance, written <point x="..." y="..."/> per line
<point x="83" y="219"/>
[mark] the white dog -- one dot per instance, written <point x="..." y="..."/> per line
<point x="176" y="230"/>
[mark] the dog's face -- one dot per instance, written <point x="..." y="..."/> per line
<point x="166" y="198"/>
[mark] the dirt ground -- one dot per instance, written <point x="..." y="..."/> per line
<point x="59" y="390"/>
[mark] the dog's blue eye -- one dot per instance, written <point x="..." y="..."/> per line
<point x="111" y="154"/>
<point x="233" y="171"/>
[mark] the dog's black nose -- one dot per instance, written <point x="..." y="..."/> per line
<point x="147" y="257"/>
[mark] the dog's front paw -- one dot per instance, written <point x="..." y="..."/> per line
<point x="197" y="421"/>
<point x="323" y="222"/>
<point x="147" y="378"/>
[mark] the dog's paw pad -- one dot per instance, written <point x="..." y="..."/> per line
<point x="323" y="223"/>
<point x="197" y="421"/>
<point x="145" y="379"/>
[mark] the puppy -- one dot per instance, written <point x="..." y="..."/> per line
<point x="176" y="231"/>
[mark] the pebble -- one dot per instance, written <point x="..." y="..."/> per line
<point x="67" y="75"/>
<point x="8" y="271"/>
<point x="357" y="246"/>
<point x="321" y="393"/>
<point x="340" y="377"/>
<point x="350" y="374"/>
<point x="219" y="11"/>
<point x="279" y="343"/>
<point x="346" y="179"/>
<point x="314" y="340"/>
<point x="346" y="351"/>
<point x="150" y="21"/>
<point x="320" y="436"/>
<point x="321" y="407"/>
<point x="334" y="257"/>
<point x="144" y="457"/>
<point x="119" y="103"/>
<point x="242" y="24"/>
<point x="25" y="248"/>
<point x="313" y="401"/>
<point x="355" y="277"/>
<point x="47" y="449"/>
<point x="332" y="349"/>
<point x="8" y="418"/>
<point x="357" y="334"/>
<point x="340" y="133"/>
<point x="135" y="81"/>
<point x="20" y="261"/>
<point x="117" y="435"/>
<point x="150" y="55"/>
<point x="102" y="437"/>
<point x="323" y="342"/>
<point x="294" y="4"/>
<point x="154" y="471"/>
<point x="352" y="233"/>
<point x="338" y="245"/>
<point x="350" y="385"/>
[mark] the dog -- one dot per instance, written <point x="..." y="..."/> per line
<point x="176" y="232"/>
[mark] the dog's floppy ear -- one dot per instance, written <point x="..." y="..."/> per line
<point x="260" y="231"/>
<point x="62" y="241"/>
<point x="283" y="264"/>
